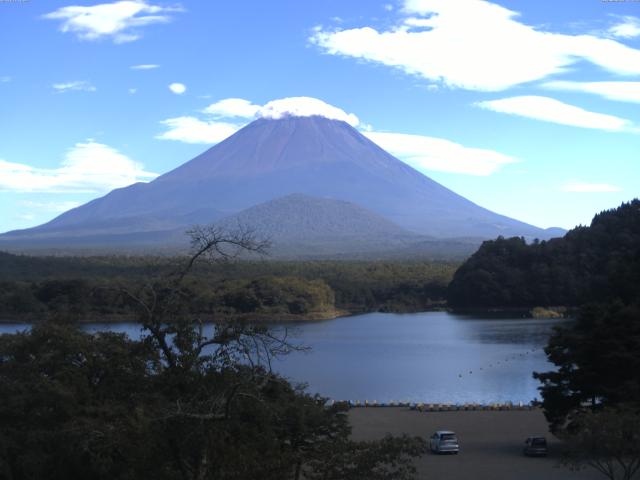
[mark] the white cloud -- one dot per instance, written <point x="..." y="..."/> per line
<point x="87" y="167"/>
<point x="194" y="130"/>
<point x="429" y="153"/>
<point x="305" y="107"/>
<point x="284" y="107"/>
<point x="178" y="88"/>
<point x="132" y="91"/>
<point x="233" y="108"/>
<point x="629" y="27"/>
<point x="621" y="91"/>
<point x="144" y="66"/>
<point x="551" y="110"/>
<point x="5" y="79"/>
<point x="583" y="187"/>
<point x="475" y="45"/>
<point x="119" y="20"/>
<point x="77" y="85"/>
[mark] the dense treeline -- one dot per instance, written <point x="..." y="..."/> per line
<point x="92" y="288"/>
<point x="589" y="264"/>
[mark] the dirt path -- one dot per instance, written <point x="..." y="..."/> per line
<point x="490" y="443"/>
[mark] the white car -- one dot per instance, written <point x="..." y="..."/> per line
<point x="444" y="441"/>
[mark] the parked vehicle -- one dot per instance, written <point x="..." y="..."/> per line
<point x="444" y="441"/>
<point x="535" y="447"/>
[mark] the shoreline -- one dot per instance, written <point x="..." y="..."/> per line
<point x="319" y="316"/>
<point x="30" y="319"/>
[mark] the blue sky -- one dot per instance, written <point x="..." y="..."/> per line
<point x="530" y="109"/>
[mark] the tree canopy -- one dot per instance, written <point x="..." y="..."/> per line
<point x="596" y="263"/>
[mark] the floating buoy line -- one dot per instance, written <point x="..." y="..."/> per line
<point x="503" y="361"/>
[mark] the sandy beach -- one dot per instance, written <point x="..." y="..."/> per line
<point x="490" y="443"/>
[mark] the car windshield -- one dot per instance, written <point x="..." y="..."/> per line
<point x="539" y="442"/>
<point x="448" y="437"/>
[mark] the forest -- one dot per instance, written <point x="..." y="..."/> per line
<point x="592" y="263"/>
<point x="90" y="288"/>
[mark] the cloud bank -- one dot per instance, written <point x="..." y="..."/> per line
<point x="551" y="110"/>
<point x="620" y="91"/>
<point x="87" y="167"/>
<point x="430" y="153"/>
<point x="501" y="52"/>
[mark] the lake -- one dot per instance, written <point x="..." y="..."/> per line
<point x="435" y="357"/>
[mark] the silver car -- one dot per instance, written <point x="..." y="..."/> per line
<point x="444" y="441"/>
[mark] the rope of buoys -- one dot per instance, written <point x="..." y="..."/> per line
<point x="505" y="360"/>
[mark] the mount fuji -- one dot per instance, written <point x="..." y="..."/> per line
<point x="319" y="158"/>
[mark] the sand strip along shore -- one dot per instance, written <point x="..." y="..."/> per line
<point x="490" y="443"/>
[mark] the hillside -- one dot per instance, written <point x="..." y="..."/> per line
<point x="595" y="263"/>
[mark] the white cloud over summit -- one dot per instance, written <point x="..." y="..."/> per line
<point x="87" y="167"/>
<point x="475" y="45"/>
<point x="305" y="107"/>
<point x="291" y="106"/>
<point x="121" y="21"/>
<point x="421" y="152"/>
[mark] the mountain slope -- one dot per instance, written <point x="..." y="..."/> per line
<point x="270" y="158"/>
<point x="300" y="225"/>
<point x="299" y="217"/>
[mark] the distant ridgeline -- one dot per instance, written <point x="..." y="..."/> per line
<point x="589" y="264"/>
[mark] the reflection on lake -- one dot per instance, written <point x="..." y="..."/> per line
<point x="420" y="357"/>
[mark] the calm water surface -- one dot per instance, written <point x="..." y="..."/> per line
<point x="420" y="357"/>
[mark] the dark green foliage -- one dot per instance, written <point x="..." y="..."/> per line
<point x="288" y="295"/>
<point x="598" y="361"/>
<point x="596" y="263"/>
<point x="181" y="403"/>
<point x="69" y="402"/>
<point x="607" y="440"/>
<point x="86" y="288"/>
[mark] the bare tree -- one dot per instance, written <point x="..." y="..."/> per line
<point x="163" y="306"/>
